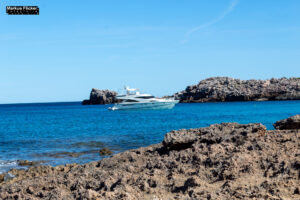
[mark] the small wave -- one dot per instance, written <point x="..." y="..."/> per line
<point x="6" y="165"/>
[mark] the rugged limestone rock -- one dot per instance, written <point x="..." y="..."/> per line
<point x="101" y="97"/>
<point x="213" y="134"/>
<point x="222" y="161"/>
<point x="229" y="89"/>
<point x="289" y="123"/>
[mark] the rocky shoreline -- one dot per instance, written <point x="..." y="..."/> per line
<point x="222" y="161"/>
<point x="221" y="89"/>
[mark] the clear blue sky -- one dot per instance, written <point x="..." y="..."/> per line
<point x="157" y="46"/>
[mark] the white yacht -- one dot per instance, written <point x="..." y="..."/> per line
<point x="133" y="99"/>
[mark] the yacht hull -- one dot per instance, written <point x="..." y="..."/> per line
<point x="148" y="105"/>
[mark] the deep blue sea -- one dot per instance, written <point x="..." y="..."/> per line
<point x="51" y="131"/>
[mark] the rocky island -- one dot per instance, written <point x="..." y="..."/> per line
<point x="101" y="97"/>
<point x="222" y="161"/>
<point x="218" y="89"/>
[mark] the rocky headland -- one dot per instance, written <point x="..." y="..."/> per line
<point x="218" y="89"/>
<point x="101" y="97"/>
<point x="222" y="161"/>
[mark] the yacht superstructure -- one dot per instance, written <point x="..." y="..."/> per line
<point x="133" y="99"/>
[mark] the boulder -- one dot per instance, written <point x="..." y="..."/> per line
<point x="214" y="134"/>
<point x="289" y="123"/>
<point x="174" y="140"/>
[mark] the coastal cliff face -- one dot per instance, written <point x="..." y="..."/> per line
<point x="101" y="97"/>
<point x="229" y="89"/>
<point x="222" y="161"/>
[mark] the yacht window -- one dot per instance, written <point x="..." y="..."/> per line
<point x="130" y="100"/>
<point x="146" y="97"/>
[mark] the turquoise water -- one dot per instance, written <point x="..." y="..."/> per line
<point x="47" y="131"/>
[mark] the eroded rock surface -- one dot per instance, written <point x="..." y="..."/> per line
<point x="101" y="97"/>
<point x="289" y="123"/>
<point x="222" y="161"/>
<point x="230" y="89"/>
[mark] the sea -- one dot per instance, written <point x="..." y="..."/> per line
<point x="63" y="133"/>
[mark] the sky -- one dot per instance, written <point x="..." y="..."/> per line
<point x="157" y="46"/>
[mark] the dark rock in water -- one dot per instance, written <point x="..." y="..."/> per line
<point x="89" y="144"/>
<point x="229" y="89"/>
<point x="101" y="97"/>
<point x="222" y="161"/>
<point x="28" y="163"/>
<point x="65" y="154"/>
<point x="105" y="152"/>
<point x="289" y="123"/>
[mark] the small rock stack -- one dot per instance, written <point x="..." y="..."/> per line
<point x="101" y="97"/>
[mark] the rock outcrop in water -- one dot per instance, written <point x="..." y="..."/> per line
<point x="289" y="123"/>
<point x="101" y="97"/>
<point x="230" y="89"/>
<point x="222" y="161"/>
<point x="28" y="163"/>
